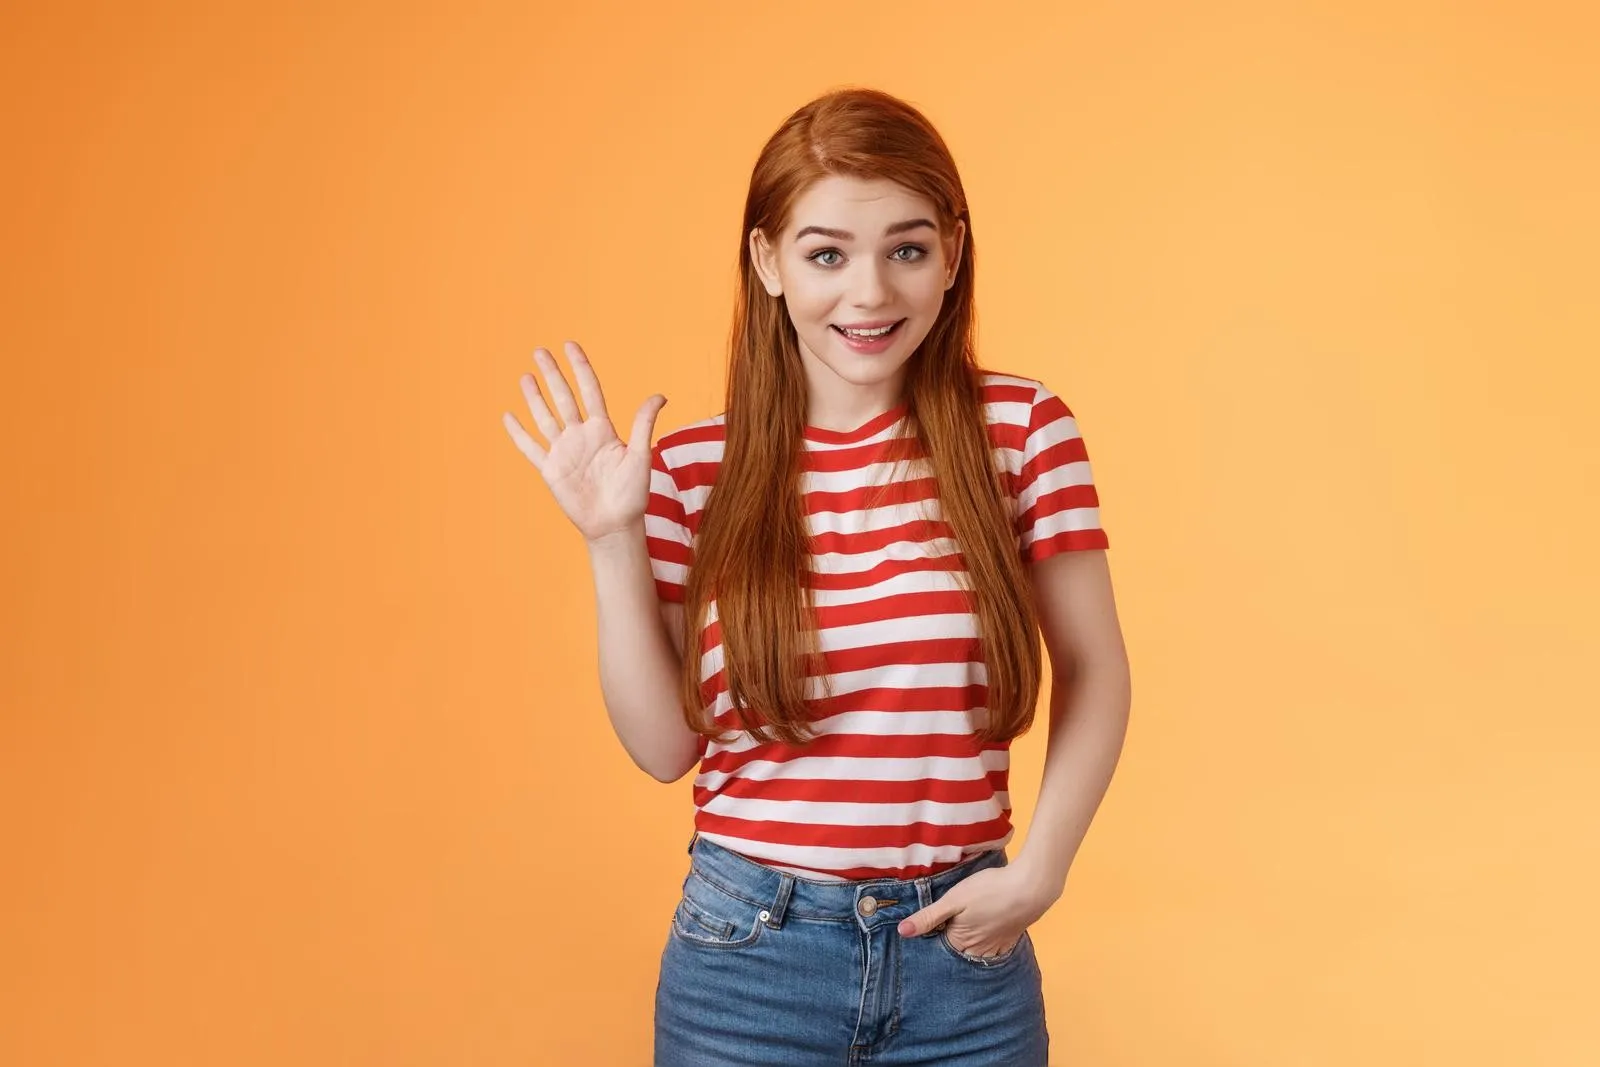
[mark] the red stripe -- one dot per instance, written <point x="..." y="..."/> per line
<point x="912" y="491"/>
<point x="885" y="698"/>
<point x="810" y="835"/>
<point x="946" y="650"/>
<point x="1047" y="410"/>
<point x="853" y="544"/>
<point x="881" y="746"/>
<point x="896" y="606"/>
<point x="882" y="572"/>
<point x="958" y="650"/>
<point x="836" y="460"/>
<point x="669" y="551"/>
<point x="1072" y="450"/>
<point x="1006" y="393"/>
<point x="1066" y="498"/>
<point x="1066" y="541"/>
<point x="665" y="507"/>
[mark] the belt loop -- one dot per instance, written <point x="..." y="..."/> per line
<point x="780" y="906"/>
<point x="693" y="837"/>
<point x="924" y="892"/>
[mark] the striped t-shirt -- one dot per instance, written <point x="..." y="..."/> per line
<point x="894" y="782"/>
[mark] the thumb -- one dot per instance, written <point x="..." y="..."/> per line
<point x="921" y="922"/>
<point x="644" y="423"/>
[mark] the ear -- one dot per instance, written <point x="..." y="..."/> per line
<point x="766" y="262"/>
<point x="953" y="248"/>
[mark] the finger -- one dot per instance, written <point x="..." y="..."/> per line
<point x="525" y="444"/>
<point x="536" y="407"/>
<point x="644" y="424"/>
<point x="594" y="401"/>
<point x="928" y="919"/>
<point x="560" y="392"/>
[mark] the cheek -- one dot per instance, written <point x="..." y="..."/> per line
<point x="810" y="311"/>
<point x="929" y="293"/>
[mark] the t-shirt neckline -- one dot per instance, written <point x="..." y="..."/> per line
<point x="876" y="424"/>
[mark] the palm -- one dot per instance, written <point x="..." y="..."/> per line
<point x="601" y="482"/>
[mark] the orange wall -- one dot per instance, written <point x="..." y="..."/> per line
<point x="302" y="757"/>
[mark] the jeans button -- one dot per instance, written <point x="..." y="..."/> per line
<point x="867" y="906"/>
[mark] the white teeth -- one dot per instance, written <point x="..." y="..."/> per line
<point x="879" y="332"/>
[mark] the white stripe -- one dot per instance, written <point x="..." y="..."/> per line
<point x="902" y="584"/>
<point x="671" y="573"/>
<point x="852" y="768"/>
<point x="930" y="627"/>
<point x="855" y="562"/>
<point x="666" y="529"/>
<point x="681" y="455"/>
<point x="1008" y="412"/>
<point x="893" y="676"/>
<point x="865" y="520"/>
<point x="888" y="676"/>
<point x="824" y="813"/>
<point x="1062" y="521"/>
<point x="1075" y="473"/>
<point x="995" y="378"/>
<point x="902" y="676"/>
<point x="871" y="474"/>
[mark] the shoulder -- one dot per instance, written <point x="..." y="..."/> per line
<point x="698" y="442"/>
<point x="1009" y="399"/>
<point x="1016" y="406"/>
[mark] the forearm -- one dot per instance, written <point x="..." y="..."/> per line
<point x="1088" y="722"/>
<point x="638" y="663"/>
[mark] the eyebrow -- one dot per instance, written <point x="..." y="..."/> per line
<point x="845" y="235"/>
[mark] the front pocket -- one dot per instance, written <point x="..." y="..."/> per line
<point x="701" y="922"/>
<point x="712" y="918"/>
<point x="982" y="962"/>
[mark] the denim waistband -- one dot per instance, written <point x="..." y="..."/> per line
<point x="780" y="894"/>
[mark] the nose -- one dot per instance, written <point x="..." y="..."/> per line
<point x="869" y="287"/>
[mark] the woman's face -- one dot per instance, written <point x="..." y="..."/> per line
<point x="884" y="264"/>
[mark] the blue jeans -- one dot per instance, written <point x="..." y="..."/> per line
<point x="763" y="968"/>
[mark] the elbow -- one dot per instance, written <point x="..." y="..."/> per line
<point x="663" y="774"/>
<point x="667" y="769"/>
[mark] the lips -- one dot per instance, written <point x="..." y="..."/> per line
<point x="896" y="323"/>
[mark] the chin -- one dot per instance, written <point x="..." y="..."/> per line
<point x="869" y="371"/>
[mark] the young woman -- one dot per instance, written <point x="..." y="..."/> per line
<point x="864" y="548"/>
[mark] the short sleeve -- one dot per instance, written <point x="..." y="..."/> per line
<point x="1058" y="508"/>
<point x="667" y="536"/>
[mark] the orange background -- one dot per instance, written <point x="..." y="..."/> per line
<point x="302" y="756"/>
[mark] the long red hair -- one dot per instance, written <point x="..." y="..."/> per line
<point x="752" y="544"/>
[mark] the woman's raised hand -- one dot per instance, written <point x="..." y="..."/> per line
<point x="602" y="484"/>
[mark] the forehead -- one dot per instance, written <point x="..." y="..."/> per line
<point x="862" y="206"/>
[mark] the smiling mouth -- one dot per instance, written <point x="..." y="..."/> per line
<point x="872" y="336"/>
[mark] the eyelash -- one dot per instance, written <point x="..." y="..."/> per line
<point x="829" y="266"/>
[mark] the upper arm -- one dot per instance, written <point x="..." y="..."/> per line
<point x="1078" y="612"/>
<point x="672" y="615"/>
